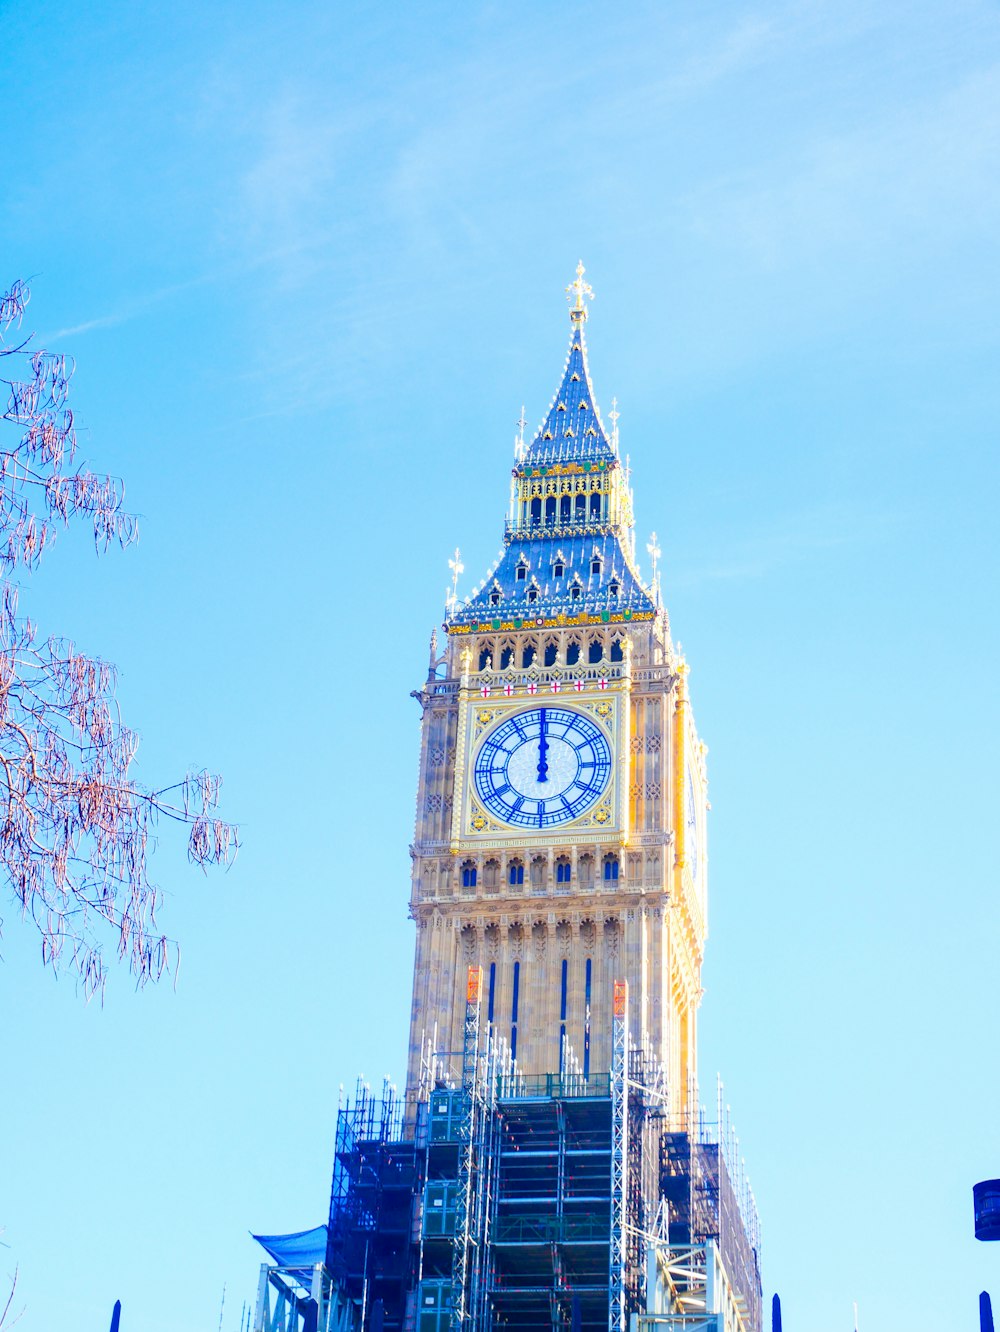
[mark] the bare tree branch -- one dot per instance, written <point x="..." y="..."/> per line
<point x="75" y="828"/>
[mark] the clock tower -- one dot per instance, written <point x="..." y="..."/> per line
<point x="547" y="1165"/>
<point x="560" y="828"/>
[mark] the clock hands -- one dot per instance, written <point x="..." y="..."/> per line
<point x="543" y="749"/>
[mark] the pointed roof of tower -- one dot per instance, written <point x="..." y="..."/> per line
<point x="568" y="556"/>
<point x="572" y="430"/>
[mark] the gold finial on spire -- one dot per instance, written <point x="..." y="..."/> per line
<point x="575" y="293"/>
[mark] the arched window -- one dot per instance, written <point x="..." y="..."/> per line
<point x="536" y="513"/>
<point x="595" y="651"/>
<point x="527" y="656"/>
<point x="515" y="872"/>
<point x="550" y="511"/>
<point x="581" y="508"/>
<point x="485" y="660"/>
<point x="617" y="652"/>
<point x="563" y="869"/>
<point x="610" y="867"/>
<point x="469" y="874"/>
<point x="551" y="652"/>
<point x="532" y="593"/>
<point x="614" y="587"/>
<point x="521" y="572"/>
<point x="595" y="565"/>
<point x="572" y="654"/>
<point x="595" y="506"/>
<point x="558" y="569"/>
<point x="538" y="868"/>
<point x="491" y="875"/>
<point x="506" y="657"/>
<point x="565" y="508"/>
<point x="495" y="596"/>
<point x="585" y="870"/>
<point x="575" y="592"/>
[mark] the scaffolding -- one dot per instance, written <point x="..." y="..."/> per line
<point x="688" y="1290"/>
<point x="296" y="1299"/>
<point x="707" y="1197"/>
<point x="372" y="1244"/>
<point x="556" y="1201"/>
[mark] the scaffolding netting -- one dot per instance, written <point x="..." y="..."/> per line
<point x="303" y="1249"/>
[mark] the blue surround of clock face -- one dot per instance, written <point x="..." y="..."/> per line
<point x="542" y="767"/>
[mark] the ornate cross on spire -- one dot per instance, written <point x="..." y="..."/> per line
<point x="654" y="551"/>
<point x="521" y="422"/>
<point x="457" y="567"/>
<point x="575" y="293"/>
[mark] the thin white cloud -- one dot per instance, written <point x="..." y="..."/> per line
<point x="103" y="321"/>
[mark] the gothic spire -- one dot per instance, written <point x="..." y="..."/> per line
<point x="573" y="430"/>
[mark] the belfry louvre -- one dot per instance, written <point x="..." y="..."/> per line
<point x="547" y="1164"/>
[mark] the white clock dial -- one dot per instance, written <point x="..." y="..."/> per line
<point x="542" y="767"/>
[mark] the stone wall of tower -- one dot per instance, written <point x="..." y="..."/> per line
<point x="641" y="925"/>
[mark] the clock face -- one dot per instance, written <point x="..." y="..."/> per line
<point x="691" y="820"/>
<point x="542" y="767"/>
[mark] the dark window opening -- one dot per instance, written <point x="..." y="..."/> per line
<point x="595" y="565"/>
<point x="614" y="588"/>
<point x="575" y="592"/>
<point x="617" y="654"/>
<point x="536" y="512"/>
<point x="595" y="506"/>
<point x="581" y="508"/>
<point x="513" y="1010"/>
<point x="506" y="657"/>
<point x="610" y="868"/>
<point x="586" y="1028"/>
<point x="484" y="659"/>
<point x="572" y="654"/>
<point x="515" y="872"/>
<point x="468" y="875"/>
<point x="551" y="651"/>
<point x="522" y="573"/>
<point x="565" y="508"/>
<point x="563" y="868"/>
<point x="558" y="569"/>
<point x="532" y="593"/>
<point x="527" y="657"/>
<point x="595" y="652"/>
<point x="495" y="597"/>
<point x="550" y="511"/>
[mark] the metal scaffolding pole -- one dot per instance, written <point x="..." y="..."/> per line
<point x="619" y="1155"/>
<point x="464" y="1200"/>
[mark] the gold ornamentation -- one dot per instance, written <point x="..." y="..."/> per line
<point x="604" y="709"/>
<point x="576" y="291"/>
<point x="602" y="815"/>
<point x="479" y="823"/>
<point x="484" y="716"/>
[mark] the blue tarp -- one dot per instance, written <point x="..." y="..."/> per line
<point x="303" y="1249"/>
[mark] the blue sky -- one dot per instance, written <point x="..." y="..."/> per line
<point x="310" y="262"/>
